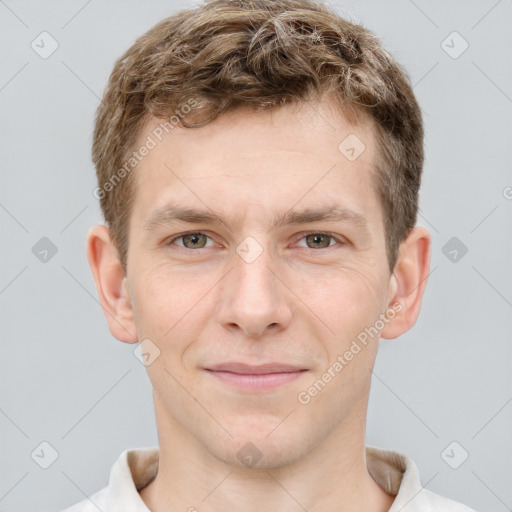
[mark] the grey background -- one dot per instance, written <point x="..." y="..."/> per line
<point x="65" y="380"/>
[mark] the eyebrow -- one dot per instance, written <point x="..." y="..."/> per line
<point x="174" y="213"/>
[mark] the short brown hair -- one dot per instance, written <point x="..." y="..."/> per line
<point x="256" y="54"/>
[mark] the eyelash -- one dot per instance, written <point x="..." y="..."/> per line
<point x="340" y="240"/>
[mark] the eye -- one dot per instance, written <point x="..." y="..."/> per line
<point x="198" y="240"/>
<point x="193" y="240"/>
<point x="321" y="240"/>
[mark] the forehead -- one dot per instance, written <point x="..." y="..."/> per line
<point x="270" y="160"/>
<point x="314" y="128"/>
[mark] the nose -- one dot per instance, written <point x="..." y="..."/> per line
<point x="253" y="299"/>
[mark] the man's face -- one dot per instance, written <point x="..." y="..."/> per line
<point x="251" y="291"/>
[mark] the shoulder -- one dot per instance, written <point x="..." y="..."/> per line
<point x="398" y="475"/>
<point x="132" y="470"/>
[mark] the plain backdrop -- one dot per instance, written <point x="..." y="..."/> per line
<point x="67" y="382"/>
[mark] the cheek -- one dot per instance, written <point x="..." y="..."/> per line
<point x="351" y="308"/>
<point x="346" y="298"/>
<point x="168" y="303"/>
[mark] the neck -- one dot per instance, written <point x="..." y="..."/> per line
<point x="333" y="476"/>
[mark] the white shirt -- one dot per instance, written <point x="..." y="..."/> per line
<point x="396" y="473"/>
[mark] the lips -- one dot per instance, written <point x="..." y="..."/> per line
<point x="255" y="378"/>
<point x="262" y="369"/>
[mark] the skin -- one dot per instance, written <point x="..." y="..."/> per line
<point x="302" y="301"/>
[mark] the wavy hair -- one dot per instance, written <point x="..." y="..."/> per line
<point x="258" y="54"/>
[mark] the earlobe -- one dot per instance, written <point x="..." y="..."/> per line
<point x="408" y="282"/>
<point x="111" y="284"/>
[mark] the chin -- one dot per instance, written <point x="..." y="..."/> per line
<point x="262" y="443"/>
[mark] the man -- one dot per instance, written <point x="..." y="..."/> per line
<point x="258" y="167"/>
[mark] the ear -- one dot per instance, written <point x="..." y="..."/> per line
<point x="408" y="282"/>
<point x="111" y="283"/>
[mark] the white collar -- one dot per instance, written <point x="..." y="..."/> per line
<point x="396" y="473"/>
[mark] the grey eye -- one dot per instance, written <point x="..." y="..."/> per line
<point x="193" y="240"/>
